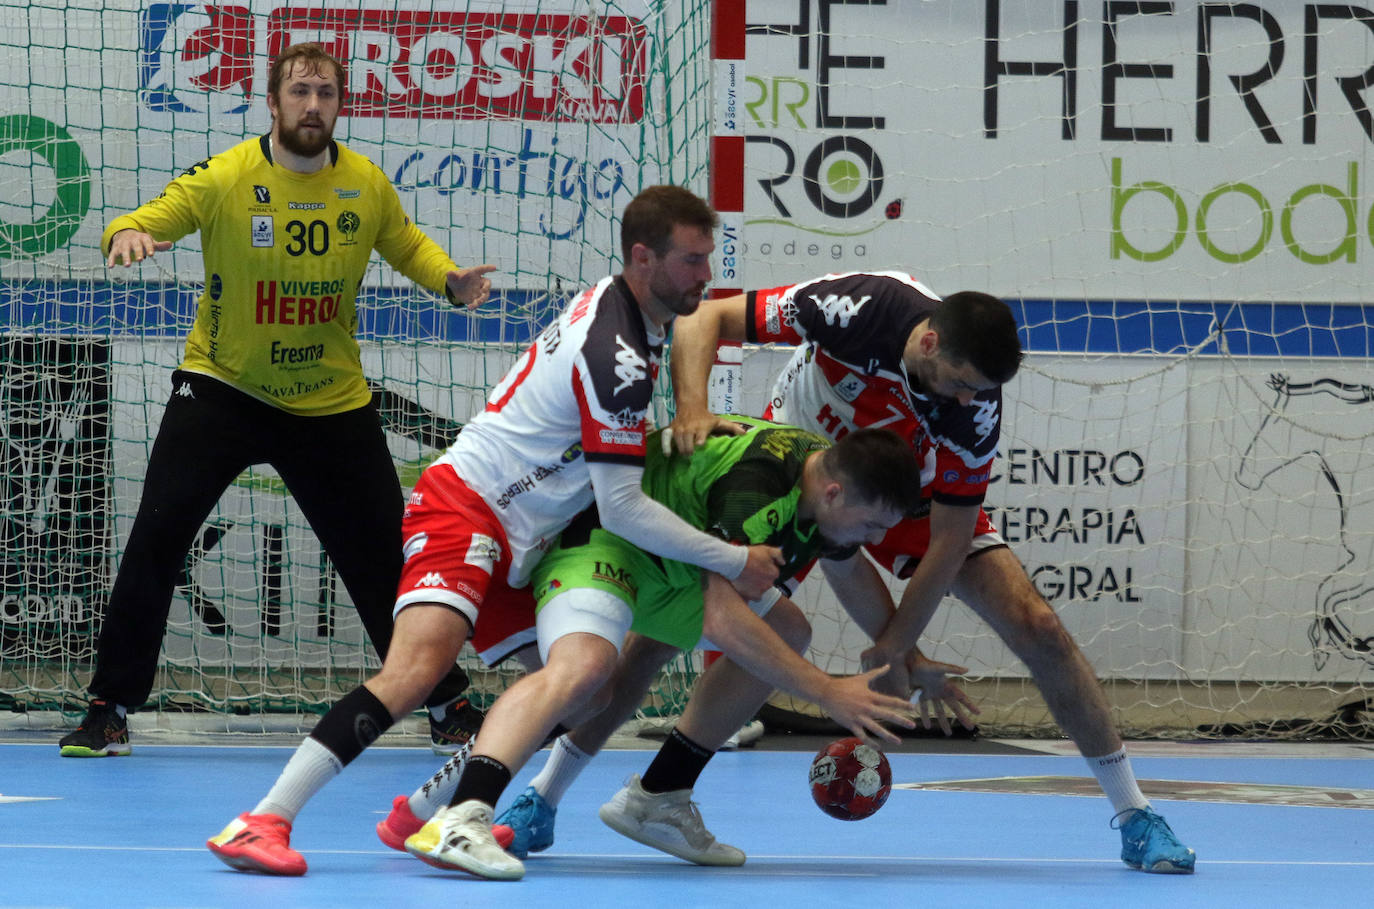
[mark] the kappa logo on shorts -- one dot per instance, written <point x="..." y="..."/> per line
<point x="432" y="579"/>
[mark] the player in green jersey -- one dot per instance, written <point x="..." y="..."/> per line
<point x="772" y="484"/>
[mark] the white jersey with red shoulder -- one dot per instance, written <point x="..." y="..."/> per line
<point x="579" y="393"/>
<point x="849" y="373"/>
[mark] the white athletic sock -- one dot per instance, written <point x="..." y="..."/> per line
<point x="1117" y="779"/>
<point x="438" y="789"/>
<point x="564" y="765"/>
<point x="305" y="774"/>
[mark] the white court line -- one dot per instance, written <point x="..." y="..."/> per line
<point x="1206" y="749"/>
<point x="825" y="859"/>
<point x="10" y="799"/>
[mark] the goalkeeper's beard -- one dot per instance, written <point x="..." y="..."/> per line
<point x="307" y="145"/>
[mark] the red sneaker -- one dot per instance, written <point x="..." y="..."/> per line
<point x="399" y="824"/>
<point x="258" y="842"/>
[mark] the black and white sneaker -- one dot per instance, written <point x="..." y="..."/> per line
<point x="103" y="733"/>
<point x="460" y="722"/>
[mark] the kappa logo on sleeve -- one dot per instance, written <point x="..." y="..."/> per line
<point x="630" y="367"/>
<point x="985" y="420"/>
<point x="839" y="308"/>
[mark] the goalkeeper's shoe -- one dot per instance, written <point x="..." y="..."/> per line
<point x="458" y="838"/>
<point x="103" y="733"/>
<point x="529" y="824"/>
<point x="1148" y="843"/>
<point x="258" y="842"/>
<point x="667" y="821"/>
<point x="457" y="726"/>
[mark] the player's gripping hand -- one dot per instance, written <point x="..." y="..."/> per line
<point x="760" y="571"/>
<point x="896" y="681"/>
<point x="469" y="287"/>
<point x="851" y="702"/>
<point x="690" y="429"/>
<point x="130" y="246"/>
<point x="939" y="694"/>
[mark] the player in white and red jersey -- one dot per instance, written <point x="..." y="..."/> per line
<point x="881" y="349"/>
<point x="565" y="428"/>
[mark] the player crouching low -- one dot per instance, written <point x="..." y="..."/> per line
<point x="772" y="483"/>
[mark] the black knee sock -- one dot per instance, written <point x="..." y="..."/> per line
<point x="676" y="766"/>
<point x="352" y="724"/>
<point x="484" y="778"/>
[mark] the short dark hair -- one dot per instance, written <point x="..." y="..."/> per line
<point x="877" y="465"/>
<point x="978" y="328"/>
<point x="651" y="216"/>
<point x="315" y="58"/>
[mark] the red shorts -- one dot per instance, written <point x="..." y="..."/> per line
<point x="456" y="555"/>
<point x="901" y="550"/>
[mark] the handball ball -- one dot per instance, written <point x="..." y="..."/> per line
<point x="850" y="780"/>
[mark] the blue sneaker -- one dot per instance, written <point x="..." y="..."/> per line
<point x="530" y="819"/>
<point x="1148" y="844"/>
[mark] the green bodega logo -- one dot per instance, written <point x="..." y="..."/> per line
<point x="1261" y="225"/>
<point x="53" y="144"/>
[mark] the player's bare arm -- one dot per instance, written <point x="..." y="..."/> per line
<point x="951" y="529"/>
<point x="865" y="598"/>
<point x="732" y="626"/>
<point x="470" y="287"/>
<point x="130" y="246"/>
<point x="695" y="338"/>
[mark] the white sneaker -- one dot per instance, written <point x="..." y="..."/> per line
<point x="744" y="737"/>
<point x="667" y="821"/>
<point x="459" y="838"/>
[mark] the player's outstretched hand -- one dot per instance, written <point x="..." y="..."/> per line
<point x="939" y="695"/>
<point x="131" y="246"/>
<point x="691" y="429"/>
<point x="854" y="704"/>
<point x="760" y="571"/>
<point x="470" y="287"/>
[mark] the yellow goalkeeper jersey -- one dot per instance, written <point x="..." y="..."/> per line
<point x="285" y="254"/>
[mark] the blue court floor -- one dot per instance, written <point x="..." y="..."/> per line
<point x="130" y="832"/>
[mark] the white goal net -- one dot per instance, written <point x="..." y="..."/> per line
<point x="1173" y="197"/>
